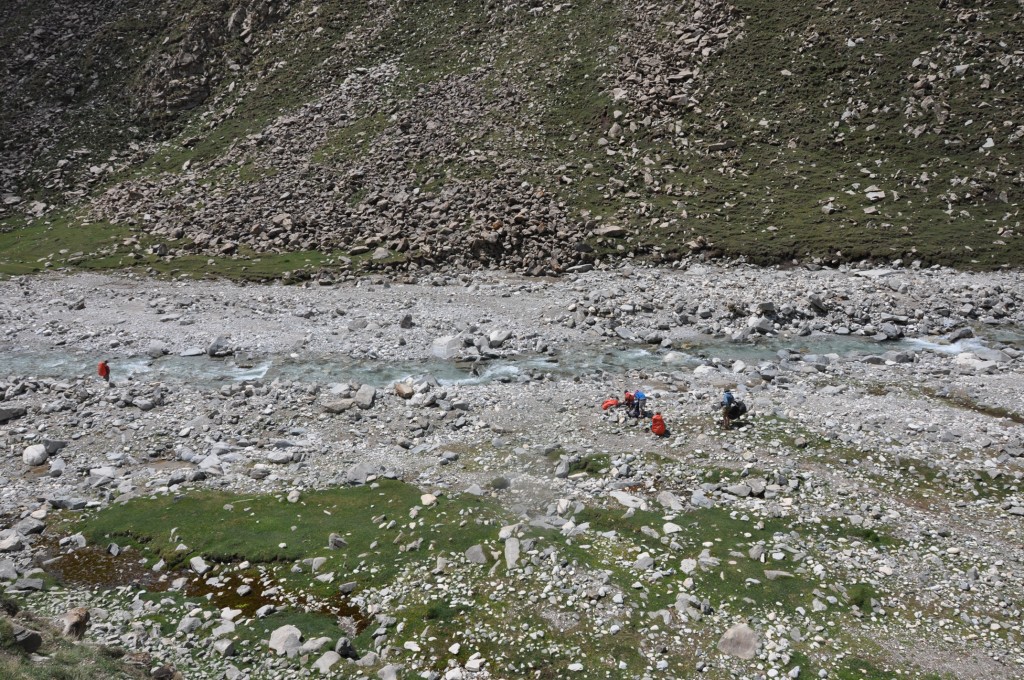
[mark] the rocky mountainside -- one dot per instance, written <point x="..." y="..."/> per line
<point x="532" y="136"/>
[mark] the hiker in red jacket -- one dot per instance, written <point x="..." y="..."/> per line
<point x="629" y="401"/>
<point x="104" y="371"/>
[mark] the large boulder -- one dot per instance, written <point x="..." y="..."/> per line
<point x="28" y="640"/>
<point x="339" y="405"/>
<point x="359" y="473"/>
<point x="11" y="413"/>
<point x="476" y="554"/>
<point x="286" y="640"/>
<point x="326" y="662"/>
<point x="739" y="641"/>
<point x="220" y="347"/>
<point x="35" y="455"/>
<point x="447" y="347"/>
<point x="157" y="349"/>
<point x="365" y="396"/>
<point x="497" y="338"/>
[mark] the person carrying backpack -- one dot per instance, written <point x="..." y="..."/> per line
<point x="732" y="408"/>
<point x="641" y="403"/>
<point x="727" y="399"/>
<point x="103" y="370"/>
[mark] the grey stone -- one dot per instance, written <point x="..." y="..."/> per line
<point x="498" y="338"/>
<point x="28" y="584"/>
<point x="389" y="672"/>
<point x="741" y="490"/>
<point x="189" y="624"/>
<point x="610" y="230"/>
<point x="476" y="554"/>
<point x="699" y="500"/>
<point x="757" y="486"/>
<point x="8" y="572"/>
<point x="30" y="525"/>
<point x="670" y="500"/>
<point x="511" y="552"/>
<point x="365" y="395"/>
<point x="279" y="457"/>
<point x="326" y="662"/>
<point x="314" y="645"/>
<point x="27" y="639"/>
<point x="447" y="347"/>
<point x="739" y="641"/>
<point x="157" y="349"/>
<point x="220" y="347"/>
<point x="339" y="405"/>
<point x="68" y="503"/>
<point x="11" y="413"/>
<point x="54" y="445"/>
<point x="359" y="473"/>
<point x="286" y="640"/>
<point x="224" y="647"/>
<point x="11" y="543"/>
<point x="35" y="455"/>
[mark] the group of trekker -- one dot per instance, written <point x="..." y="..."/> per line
<point x="636" y="407"/>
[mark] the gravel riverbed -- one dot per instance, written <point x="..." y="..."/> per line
<point x="883" y="402"/>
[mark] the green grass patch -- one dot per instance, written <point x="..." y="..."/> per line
<point x="739" y="581"/>
<point x="37" y="245"/>
<point x="594" y="464"/>
<point x="269" y="529"/>
<point x="60" y="659"/>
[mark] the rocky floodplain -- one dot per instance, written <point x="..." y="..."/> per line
<point x="413" y="476"/>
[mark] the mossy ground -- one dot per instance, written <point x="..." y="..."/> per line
<point x="514" y="618"/>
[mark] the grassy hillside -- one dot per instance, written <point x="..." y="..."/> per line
<point x="512" y="135"/>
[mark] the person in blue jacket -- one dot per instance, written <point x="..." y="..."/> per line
<point x="641" y="403"/>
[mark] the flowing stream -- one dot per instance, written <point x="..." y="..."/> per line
<point x="583" y="360"/>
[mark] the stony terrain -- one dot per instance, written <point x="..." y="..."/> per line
<point x="865" y="519"/>
<point x="534" y="137"/>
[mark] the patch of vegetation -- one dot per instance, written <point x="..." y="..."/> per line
<point x="38" y="245"/>
<point x="740" y="582"/>
<point x="59" y="658"/>
<point x="860" y="595"/>
<point x="268" y="529"/>
<point x="855" y="667"/>
<point x="594" y="464"/>
<point x="964" y="400"/>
